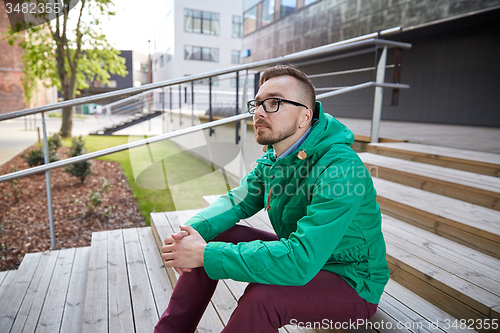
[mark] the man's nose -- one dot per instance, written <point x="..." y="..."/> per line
<point x="260" y="112"/>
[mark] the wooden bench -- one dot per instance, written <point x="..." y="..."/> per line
<point x="398" y="304"/>
<point x="462" y="185"/>
<point x="474" y="226"/>
<point x="460" y="159"/>
<point x="46" y="294"/>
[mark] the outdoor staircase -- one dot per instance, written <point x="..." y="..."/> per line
<point x="441" y="223"/>
<point x="137" y="119"/>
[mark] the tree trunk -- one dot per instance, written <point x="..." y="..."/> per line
<point x="67" y="122"/>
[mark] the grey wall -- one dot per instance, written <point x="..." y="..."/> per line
<point x="329" y="21"/>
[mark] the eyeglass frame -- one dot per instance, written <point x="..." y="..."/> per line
<point x="259" y="103"/>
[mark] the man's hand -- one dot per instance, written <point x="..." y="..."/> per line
<point x="184" y="250"/>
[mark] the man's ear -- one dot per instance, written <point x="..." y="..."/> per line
<point x="306" y="118"/>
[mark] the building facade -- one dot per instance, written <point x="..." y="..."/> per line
<point x="452" y="67"/>
<point x="198" y="36"/>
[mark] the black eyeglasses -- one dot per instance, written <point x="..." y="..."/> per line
<point x="270" y="105"/>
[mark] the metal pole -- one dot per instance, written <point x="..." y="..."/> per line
<point x="210" y="131"/>
<point x="377" y="101"/>
<point x="236" y="125"/>
<point x="163" y="109"/>
<point x="47" y="183"/>
<point x="170" y="104"/>
<point x="192" y="103"/>
<point x="243" y="125"/>
<point x="180" y="105"/>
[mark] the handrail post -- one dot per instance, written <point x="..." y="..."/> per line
<point x="170" y="104"/>
<point x="237" y="110"/>
<point x="210" y="118"/>
<point x="180" y="105"/>
<point x="378" y="98"/>
<point x="192" y="103"/>
<point x="47" y="183"/>
<point x="243" y="124"/>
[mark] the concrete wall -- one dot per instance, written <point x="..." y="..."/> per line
<point x="329" y="21"/>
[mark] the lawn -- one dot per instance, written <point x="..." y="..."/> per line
<point x="146" y="169"/>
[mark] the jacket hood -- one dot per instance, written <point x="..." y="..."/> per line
<point x="325" y="132"/>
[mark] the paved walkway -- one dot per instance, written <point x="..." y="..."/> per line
<point x="14" y="137"/>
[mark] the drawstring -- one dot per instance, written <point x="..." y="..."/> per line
<point x="268" y="207"/>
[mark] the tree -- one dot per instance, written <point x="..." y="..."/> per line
<point x="69" y="50"/>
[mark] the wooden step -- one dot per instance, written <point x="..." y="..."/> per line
<point x="398" y="303"/>
<point x="462" y="185"/>
<point x="46" y="294"/>
<point x="460" y="159"/>
<point x="6" y="278"/>
<point x="468" y="224"/>
<point x="463" y="282"/>
<point x="127" y="287"/>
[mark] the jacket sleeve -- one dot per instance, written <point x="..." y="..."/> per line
<point x="239" y="203"/>
<point x="296" y="260"/>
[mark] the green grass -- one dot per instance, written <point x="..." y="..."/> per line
<point x="190" y="177"/>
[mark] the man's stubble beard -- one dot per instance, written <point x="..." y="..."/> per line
<point x="272" y="139"/>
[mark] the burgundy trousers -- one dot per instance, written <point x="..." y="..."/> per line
<point x="327" y="298"/>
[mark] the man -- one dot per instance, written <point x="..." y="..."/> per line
<point x="327" y="259"/>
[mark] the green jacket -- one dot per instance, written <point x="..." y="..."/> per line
<point x="323" y="209"/>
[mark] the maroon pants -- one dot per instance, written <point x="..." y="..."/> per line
<point x="327" y="298"/>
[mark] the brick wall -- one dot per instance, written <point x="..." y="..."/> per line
<point x="11" y="90"/>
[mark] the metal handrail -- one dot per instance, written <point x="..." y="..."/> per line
<point x="139" y="143"/>
<point x="334" y="47"/>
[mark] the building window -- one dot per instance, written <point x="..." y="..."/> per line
<point x="137" y="66"/>
<point x="232" y="82"/>
<point x="235" y="57"/>
<point x="161" y="61"/>
<point x="267" y="12"/>
<point x="201" y="53"/>
<point x="156" y="64"/>
<point x="237" y="26"/>
<point x="287" y="7"/>
<point x="144" y="68"/>
<point x="249" y="20"/>
<point x="201" y="22"/>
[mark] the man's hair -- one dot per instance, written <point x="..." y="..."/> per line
<point x="281" y="70"/>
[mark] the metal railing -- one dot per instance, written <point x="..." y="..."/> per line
<point x="355" y="43"/>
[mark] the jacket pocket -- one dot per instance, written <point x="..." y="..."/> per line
<point x="264" y="256"/>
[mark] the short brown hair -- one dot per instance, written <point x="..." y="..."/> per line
<point x="282" y="70"/>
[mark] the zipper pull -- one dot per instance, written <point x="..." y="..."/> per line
<point x="302" y="154"/>
<point x="268" y="207"/>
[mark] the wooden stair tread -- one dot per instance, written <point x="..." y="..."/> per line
<point x="473" y="218"/>
<point x="6" y="278"/>
<point x="476" y="182"/>
<point x="445" y="153"/>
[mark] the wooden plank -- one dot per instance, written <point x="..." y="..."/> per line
<point x="474" y="188"/>
<point x="7" y="280"/>
<point x="163" y="229"/>
<point x="14" y="295"/>
<point x="119" y="302"/>
<point x="425" y="244"/>
<point x="95" y="315"/>
<point x="224" y="302"/>
<point x="75" y="302"/>
<point x="52" y="311"/>
<point x="160" y="284"/>
<point x="462" y="290"/>
<point x="466" y="216"/>
<point x="433" y="295"/>
<point x="443" y="156"/>
<point x="444" y="230"/>
<point x="3" y="274"/>
<point x="423" y="308"/>
<point x="31" y="307"/>
<point x="144" y="307"/>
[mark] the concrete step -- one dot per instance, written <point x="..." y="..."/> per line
<point x="468" y="224"/>
<point x="462" y="185"/>
<point x="460" y="159"/>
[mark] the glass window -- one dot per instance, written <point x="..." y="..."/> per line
<point x="161" y="61"/>
<point x="137" y="66"/>
<point x="249" y="21"/>
<point x="237" y="27"/>
<point x="267" y="12"/>
<point x="235" y="57"/>
<point x="200" y="22"/>
<point x="144" y="68"/>
<point x="287" y="7"/>
<point x="201" y="53"/>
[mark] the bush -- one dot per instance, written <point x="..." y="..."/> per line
<point x="96" y="198"/>
<point x="81" y="169"/>
<point x="35" y="157"/>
